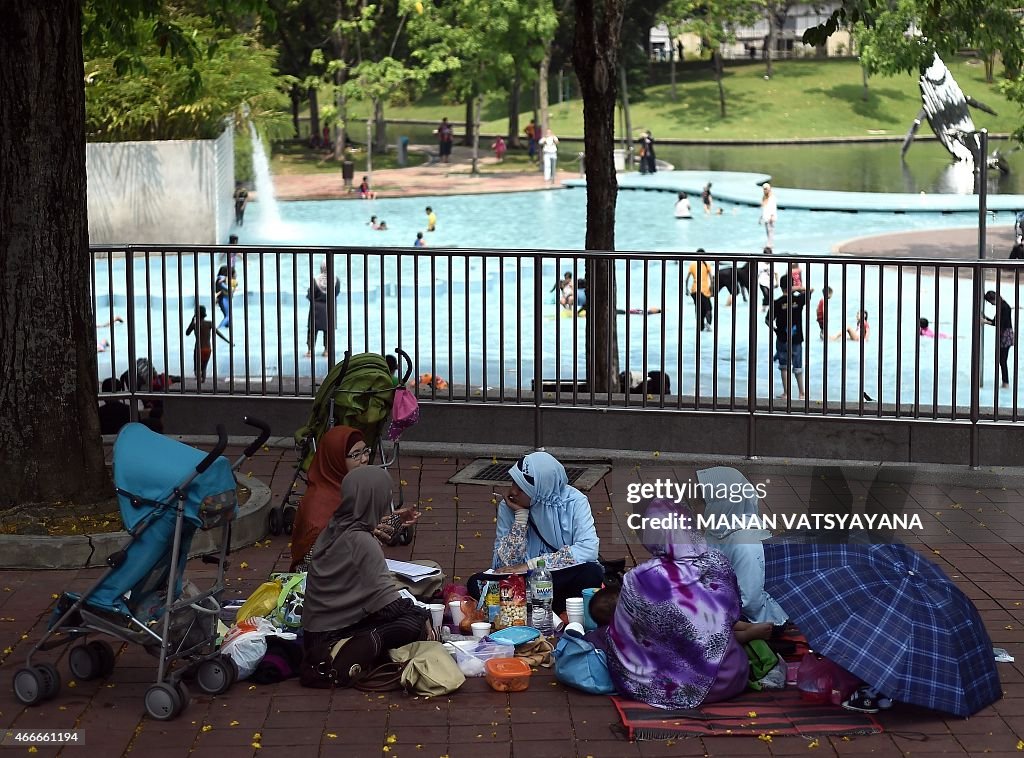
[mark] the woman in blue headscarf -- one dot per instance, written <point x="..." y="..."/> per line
<point x="544" y="518"/>
<point x="730" y="497"/>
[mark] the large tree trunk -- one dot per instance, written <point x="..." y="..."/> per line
<point x="478" y="107"/>
<point x="50" y="447"/>
<point x="542" y="87"/>
<point x="595" y="53"/>
<point x="513" y="110"/>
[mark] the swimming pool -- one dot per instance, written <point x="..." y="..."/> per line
<point x="469" y="316"/>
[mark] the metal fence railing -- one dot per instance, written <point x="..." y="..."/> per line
<point x="489" y="323"/>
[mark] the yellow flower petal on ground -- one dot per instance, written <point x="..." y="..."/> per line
<point x="233" y="723"/>
<point x="752" y="714"/>
<point x="54" y="596"/>
<point x="243" y="565"/>
<point x="812" y="744"/>
<point x="33" y="749"/>
<point x="207" y="727"/>
<point x="392" y="739"/>
<point x="764" y="737"/>
<point x="332" y="736"/>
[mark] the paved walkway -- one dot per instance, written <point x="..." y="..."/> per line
<point x="546" y="721"/>
<point x="432" y="178"/>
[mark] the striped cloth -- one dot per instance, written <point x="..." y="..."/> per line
<point x="886" y="614"/>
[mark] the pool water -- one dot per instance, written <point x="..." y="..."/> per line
<point x="491" y="301"/>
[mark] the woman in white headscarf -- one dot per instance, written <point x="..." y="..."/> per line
<point x="317" y="296"/>
<point x="544" y="518"/>
<point x="727" y="493"/>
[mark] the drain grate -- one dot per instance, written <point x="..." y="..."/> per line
<point x="484" y="471"/>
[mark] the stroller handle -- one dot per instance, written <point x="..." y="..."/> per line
<point x="264" y="435"/>
<point x="222" y="443"/>
<point x="408" y="364"/>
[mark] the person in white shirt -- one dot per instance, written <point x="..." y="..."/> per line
<point x="683" y="206"/>
<point x="549" y="145"/>
<point x="769" y="214"/>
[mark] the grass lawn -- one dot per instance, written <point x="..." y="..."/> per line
<point x="805" y="98"/>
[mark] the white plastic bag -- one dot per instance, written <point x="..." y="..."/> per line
<point x="471" y="656"/>
<point x="246" y="643"/>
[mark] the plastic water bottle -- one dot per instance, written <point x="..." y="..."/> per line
<point x="542" y="593"/>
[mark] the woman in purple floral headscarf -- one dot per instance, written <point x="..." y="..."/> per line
<point x="671" y="641"/>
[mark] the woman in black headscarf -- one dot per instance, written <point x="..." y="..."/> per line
<point x="352" y="612"/>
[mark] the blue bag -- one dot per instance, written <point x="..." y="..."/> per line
<point x="581" y="665"/>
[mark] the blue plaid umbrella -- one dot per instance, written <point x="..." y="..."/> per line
<point x="890" y="617"/>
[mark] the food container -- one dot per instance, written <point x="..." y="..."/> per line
<point x="472" y="655"/>
<point x="507" y="674"/>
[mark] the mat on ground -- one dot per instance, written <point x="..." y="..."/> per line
<point x="777" y="713"/>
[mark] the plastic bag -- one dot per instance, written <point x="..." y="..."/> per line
<point x="246" y="643"/>
<point x="261" y="602"/>
<point x="472" y="657"/>
<point x="512" y="611"/>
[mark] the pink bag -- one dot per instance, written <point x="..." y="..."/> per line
<point x="818" y="677"/>
<point x="405" y="411"/>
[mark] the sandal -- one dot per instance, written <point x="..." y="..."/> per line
<point x="862" y="701"/>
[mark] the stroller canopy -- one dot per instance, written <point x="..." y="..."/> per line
<point x="149" y="466"/>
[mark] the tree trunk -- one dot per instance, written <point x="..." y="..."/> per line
<point x="672" y="63"/>
<point x="542" y="87"/>
<point x="990" y="62"/>
<point x="716" y="59"/>
<point x="50" y="447"/>
<point x="864" y="79"/>
<point x="467" y="139"/>
<point x="478" y="106"/>
<point x="595" y="53"/>
<point x="626" y="116"/>
<point x="769" y="41"/>
<point x="296" y="98"/>
<point x="314" y="115"/>
<point x="513" y="110"/>
<point x="340" y="52"/>
<point x="380" y="127"/>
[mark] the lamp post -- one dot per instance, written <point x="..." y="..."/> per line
<point x="979" y="148"/>
<point x="369" y="151"/>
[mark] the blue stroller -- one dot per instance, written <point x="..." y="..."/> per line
<point x="166" y="491"/>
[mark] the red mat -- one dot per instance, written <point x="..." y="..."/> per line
<point x="772" y="712"/>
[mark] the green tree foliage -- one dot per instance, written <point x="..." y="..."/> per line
<point x="157" y="97"/>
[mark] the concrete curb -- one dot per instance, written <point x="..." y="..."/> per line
<point x="91" y="550"/>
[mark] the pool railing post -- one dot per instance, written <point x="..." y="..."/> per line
<point x="538" y="337"/>
<point x="754" y="313"/>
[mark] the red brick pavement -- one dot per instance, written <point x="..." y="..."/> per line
<point x="547" y="720"/>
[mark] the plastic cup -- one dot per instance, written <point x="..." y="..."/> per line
<point x="437" y="614"/>
<point x="578" y="628"/>
<point x="574" y="604"/>
<point x="575" y="618"/>
<point x="792" y="669"/>
<point x="456" y="608"/>
<point x="481" y="629"/>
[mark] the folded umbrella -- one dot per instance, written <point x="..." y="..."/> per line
<point x="891" y="617"/>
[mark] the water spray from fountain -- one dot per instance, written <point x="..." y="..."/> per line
<point x="270" y="213"/>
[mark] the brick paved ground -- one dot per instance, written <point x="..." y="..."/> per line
<point x="547" y="720"/>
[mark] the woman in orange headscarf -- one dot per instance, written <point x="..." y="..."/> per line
<point x="341" y="450"/>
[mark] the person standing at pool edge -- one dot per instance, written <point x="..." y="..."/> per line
<point x="549" y="147"/>
<point x="769" y="214"/>
<point x="444" y="140"/>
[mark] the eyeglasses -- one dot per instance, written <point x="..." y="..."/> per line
<point x="357" y="454"/>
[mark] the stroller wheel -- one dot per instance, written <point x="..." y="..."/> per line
<point x="214" y="676"/>
<point x="85" y="663"/>
<point x="288" y="520"/>
<point x="276" y="521"/>
<point x="184" y="694"/>
<point x="106" y="656"/>
<point x="405" y="536"/>
<point x="29" y="686"/>
<point x="51" y="678"/>
<point x="163" y="701"/>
